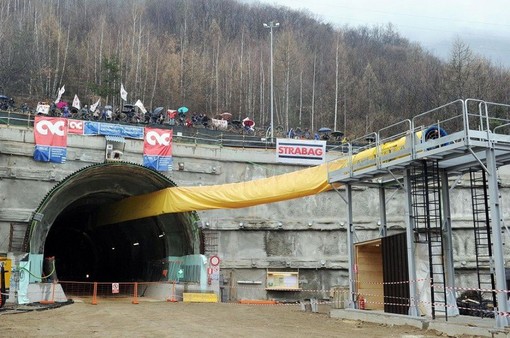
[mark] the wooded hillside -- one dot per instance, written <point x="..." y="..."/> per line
<point x="214" y="56"/>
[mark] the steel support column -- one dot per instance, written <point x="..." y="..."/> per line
<point x="350" y="248"/>
<point x="451" y="300"/>
<point x="499" y="262"/>
<point x="382" y="212"/>
<point x="409" y="219"/>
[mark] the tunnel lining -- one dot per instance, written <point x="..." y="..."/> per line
<point x="98" y="185"/>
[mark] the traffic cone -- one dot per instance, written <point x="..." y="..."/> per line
<point x="172" y="297"/>
<point x="52" y="300"/>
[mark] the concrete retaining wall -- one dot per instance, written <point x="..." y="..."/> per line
<point x="306" y="234"/>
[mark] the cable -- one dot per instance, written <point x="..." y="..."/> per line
<point x="42" y="277"/>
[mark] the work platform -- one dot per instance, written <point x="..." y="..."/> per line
<point x="457" y="134"/>
<point x="422" y="157"/>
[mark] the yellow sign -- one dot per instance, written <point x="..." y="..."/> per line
<point x="279" y="280"/>
<point x="7" y="268"/>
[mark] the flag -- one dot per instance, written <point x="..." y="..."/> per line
<point x="60" y="92"/>
<point x="94" y="106"/>
<point x="76" y="102"/>
<point x="139" y="104"/>
<point x="123" y="93"/>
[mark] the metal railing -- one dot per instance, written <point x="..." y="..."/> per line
<point x="460" y="122"/>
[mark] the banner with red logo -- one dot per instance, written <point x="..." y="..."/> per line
<point x="50" y="134"/>
<point x="307" y="152"/>
<point x="157" y="149"/>
<point x="76" y="127"/>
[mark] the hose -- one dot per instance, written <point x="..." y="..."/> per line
<point x="42" y="277"/>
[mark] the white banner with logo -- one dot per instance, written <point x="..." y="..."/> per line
<point x="305" y="152"/>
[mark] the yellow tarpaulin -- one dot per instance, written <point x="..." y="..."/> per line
<point x="300" y="183"/>
<point x="288" y="186"/>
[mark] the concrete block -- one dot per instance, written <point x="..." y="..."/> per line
<point x="380" y="317"/>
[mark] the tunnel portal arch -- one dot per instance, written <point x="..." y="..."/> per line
<point x="64" y="226"/>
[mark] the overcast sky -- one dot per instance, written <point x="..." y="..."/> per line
<point x="482" y="24"/>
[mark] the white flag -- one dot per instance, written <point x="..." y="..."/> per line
<point x="94" y="106"/>
<point x="139" y="104"/>
<point x="123" y="93"/>
<point x="76" y="102"/>
<point x="60" y="92"/>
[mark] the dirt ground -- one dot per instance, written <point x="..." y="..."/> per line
<point x="113" y="318"/>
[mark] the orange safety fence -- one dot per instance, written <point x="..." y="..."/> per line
<point x="113" y="291"/>
<point x="97" y="292"/>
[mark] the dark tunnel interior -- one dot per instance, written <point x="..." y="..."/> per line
<point x="124" y="252"/>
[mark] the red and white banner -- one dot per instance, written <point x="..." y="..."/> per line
<point x="308" y="152"/>
<point x="50" y="131"/>
<point x="157" y="142"/>
<point x="219" y="124"/>
<point x="50" y="135"/>
<point x="157" y="149"/>
<point x="76" y="126"/>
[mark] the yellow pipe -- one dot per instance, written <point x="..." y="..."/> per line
<point x="283" y="187"/>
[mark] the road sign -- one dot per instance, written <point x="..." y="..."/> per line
<point x="115" y="287"/>
<point x="214" y="260"/>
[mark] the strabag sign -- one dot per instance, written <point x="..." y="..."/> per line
<point x="306" y="152"/>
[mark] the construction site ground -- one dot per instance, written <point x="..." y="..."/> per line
<point x="121" y="318"/>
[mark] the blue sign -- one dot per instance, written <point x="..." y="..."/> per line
<point x="50" y="154"/>
<point x="160" y="163"/>
<point x="111" y="129"/>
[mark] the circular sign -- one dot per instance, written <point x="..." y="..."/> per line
<point x="214" y="260"/>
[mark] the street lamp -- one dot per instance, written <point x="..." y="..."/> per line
<point x="272" y="25"/>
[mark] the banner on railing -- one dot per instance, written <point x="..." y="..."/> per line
<point x="307" y="152"/>
<point x="157" y="149"/>
<point x="111" y="129"/>
<point x="50" y="134"/>
<point x="76" y="126"/>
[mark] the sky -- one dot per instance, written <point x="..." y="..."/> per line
<point x="484" y="25"/>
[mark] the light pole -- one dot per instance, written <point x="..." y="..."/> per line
<point x="272" y="25"/>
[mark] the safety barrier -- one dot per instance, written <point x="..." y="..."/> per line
<point x="96" y="293"/>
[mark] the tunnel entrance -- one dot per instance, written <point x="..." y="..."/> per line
<point x="64" y="227"/>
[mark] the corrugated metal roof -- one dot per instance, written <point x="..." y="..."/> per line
<point x="119" y="139"/>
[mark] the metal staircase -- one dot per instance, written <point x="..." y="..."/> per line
<point x="482" y="233"/>
<point x="426" y="205"/>
<point x="17" y="234"/>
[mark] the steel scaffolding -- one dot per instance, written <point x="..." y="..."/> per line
<point x="420" y="156"/>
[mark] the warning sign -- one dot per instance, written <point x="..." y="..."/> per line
<point x="214" y="260"/>
<point x="115" y="287"/>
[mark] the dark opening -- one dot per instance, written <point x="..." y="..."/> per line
<point x="119" y="252"/>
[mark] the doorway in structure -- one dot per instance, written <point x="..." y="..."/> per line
<point x="382" y="273"/>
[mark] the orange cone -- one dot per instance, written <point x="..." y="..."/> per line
<point x="172" y="298"/>
<point x="52" y="300"/>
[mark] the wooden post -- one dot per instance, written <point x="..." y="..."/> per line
<point x="94" y="294"/>
<point x="135" y="294"/>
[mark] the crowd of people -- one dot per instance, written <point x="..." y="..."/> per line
<point x="129" y="114"/>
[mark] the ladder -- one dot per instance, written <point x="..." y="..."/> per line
<point x="427" y="213"/>
<point x="482" y="234"/>
<point x="17" y="237"/>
